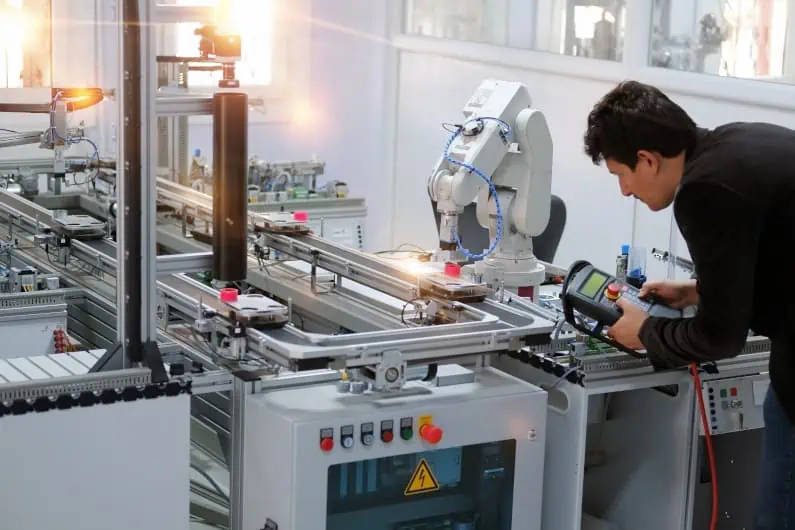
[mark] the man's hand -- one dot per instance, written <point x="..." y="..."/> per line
<point x="626" y="330"/>
<point x="677" y="294"/>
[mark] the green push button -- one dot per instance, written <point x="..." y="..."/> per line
<point x="407" y="433"/>
<point x="723" y="392"/>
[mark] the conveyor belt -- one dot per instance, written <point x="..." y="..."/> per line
<point x="178" y="283"/>
<point x="26" y="207"/>
<point x="102" y="245"/>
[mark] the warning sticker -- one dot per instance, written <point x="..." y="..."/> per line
<point x="422" y="480"/>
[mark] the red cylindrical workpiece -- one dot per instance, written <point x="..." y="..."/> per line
<point x="230" y="183"/>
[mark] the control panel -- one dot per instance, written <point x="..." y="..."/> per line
<point x="595" y="294"/>
<point x="589" y="299"/>
<point x="735" y="404"/>
<point x="347" y="434"/>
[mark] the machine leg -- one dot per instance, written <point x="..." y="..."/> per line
<point x="239" y="390"/>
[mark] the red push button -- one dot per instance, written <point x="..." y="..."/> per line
<point x="326" y="444"/>
<point x="431" y="433"/>
<point x="613" y="291"/>
<point x="733" y="392"/>
<point x="387" y="436"/>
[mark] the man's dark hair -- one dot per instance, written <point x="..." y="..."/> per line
<point x="634" y="117"/>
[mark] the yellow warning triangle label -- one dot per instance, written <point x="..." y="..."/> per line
<point x="422" y="480"/>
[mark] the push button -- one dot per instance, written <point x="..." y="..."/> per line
<point x="613" y="291"/>
<point x="326" y="440"/>
<point x="346" y="436"/>
<point x="367" y="433"/>
<point x="407" y="428"/>
<point x="387" y="431"/>
<point x="431" y="434"/>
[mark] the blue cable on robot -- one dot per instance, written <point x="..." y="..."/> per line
<point x="506" y="132"/>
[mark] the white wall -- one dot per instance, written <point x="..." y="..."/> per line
<point x="74" y="64"/>
<point x="346" y="101"/>
<point x="433" y="90"/>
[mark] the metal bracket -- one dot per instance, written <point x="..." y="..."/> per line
<point x="113" y="360"/>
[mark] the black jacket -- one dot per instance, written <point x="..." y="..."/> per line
<point x="735" y="208"/>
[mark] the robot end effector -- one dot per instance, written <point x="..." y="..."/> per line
<point x="502" y="155"/>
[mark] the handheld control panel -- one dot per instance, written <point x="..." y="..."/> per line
<point x="594" y="294"/>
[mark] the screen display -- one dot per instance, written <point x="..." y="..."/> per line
<point x="448" y="489"/>
<point x="591" y="286"/>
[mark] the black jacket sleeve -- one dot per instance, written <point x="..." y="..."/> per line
<point x="722" y="232"/>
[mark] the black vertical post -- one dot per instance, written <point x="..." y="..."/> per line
<point x="230" y="183"/>
<point x="129" y="249"/>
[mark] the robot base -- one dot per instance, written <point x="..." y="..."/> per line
<point x="515" y="276"/>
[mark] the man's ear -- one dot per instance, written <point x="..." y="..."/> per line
<point x="649" y="159"/>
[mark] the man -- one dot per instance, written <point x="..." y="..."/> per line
<point x="733" y="191"/>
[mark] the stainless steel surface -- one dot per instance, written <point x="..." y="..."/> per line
<point x="193" y="105"/>
<point x="172" y="14"/>
<point x="22" y="138"/>
<point x="178" y="263"/>
<point x="123" y="173"/>
<point x="149" y="167"/>
<point x="240" y="392"/>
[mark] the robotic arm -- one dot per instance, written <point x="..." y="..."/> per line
<point x="502" y="155"/>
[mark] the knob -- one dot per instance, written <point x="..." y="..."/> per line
<point x="431" y="433"/>
<point x="367" y="439"/>
<point x="347" y="442"/>
<point x="326" y="444"/>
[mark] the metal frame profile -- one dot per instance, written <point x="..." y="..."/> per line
<point x="136" y="228"/>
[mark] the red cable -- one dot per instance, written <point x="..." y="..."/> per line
<point x="713" y="523"/>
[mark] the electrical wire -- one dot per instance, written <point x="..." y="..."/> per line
<point x="713" y="523"/>
<point x="506" y="133"/>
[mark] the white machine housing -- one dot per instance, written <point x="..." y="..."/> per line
<point x="123" y="465"/>
<point x="286" y="473"/>
<point x="520" y="167"/>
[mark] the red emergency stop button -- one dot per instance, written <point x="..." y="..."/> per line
<point x="613" y="291"/>
<point x="431" y="433"/>
<point x="327" y="444"/>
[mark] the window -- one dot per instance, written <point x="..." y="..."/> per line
<point x="483" y="21"/>
<point x="735" y="38"/>
<point x="253" y="20"/>
<point x="25" y="43"/>
<point x="582" y="28"/>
